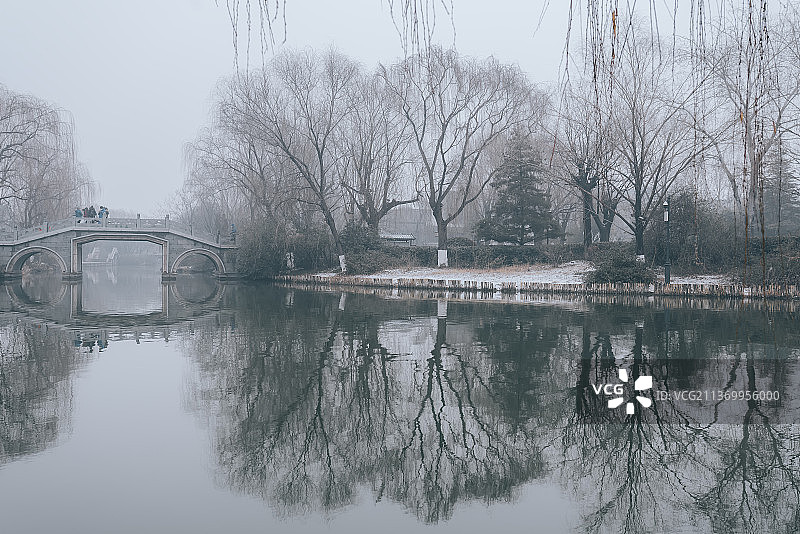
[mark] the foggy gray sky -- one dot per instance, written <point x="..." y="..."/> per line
<point x="138" y="77"/>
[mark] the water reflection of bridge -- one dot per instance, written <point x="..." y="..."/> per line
<point x="65" y="304"/>
<point x="47" y="333"/>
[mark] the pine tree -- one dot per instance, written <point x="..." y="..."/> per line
<point x="781" y="198"/>
<point x="522" y="213"/>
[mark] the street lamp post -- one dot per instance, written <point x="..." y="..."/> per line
<point x="667" y="263"/>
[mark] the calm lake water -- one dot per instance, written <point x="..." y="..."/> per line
<point x="131" y="406"/>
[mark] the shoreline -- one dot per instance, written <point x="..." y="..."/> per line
<point x="695" y="302"/>
<point x="547" y="280"/>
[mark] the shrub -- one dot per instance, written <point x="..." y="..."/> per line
<point x="263" y="248"/>
<point x="260" y="253"/>
<point x="562" y="253"/>
<point x="781" y="262"/>
<point x="491" y="256"/>
<point x="617" y="264"/>
<point x="416" y="256"/>
<point x="460" y="242"/>
<point x="716" y="245"/>
<point x="472" y="256"/>
<point x="367" y="261"/>
<point x="373" y="261"/>
<point x="312" y="247"/>
<point x="357" y="239"/>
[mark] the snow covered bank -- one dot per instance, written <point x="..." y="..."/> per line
<point x="562" y="279"/>
<point x="568" y="273"/>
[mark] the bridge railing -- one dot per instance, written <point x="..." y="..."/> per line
<point x="137" y="223"/>
<point x="61" y="223"/>
<point x="186" y="229"/>
<point x="41" y="228"/>
<point x="191" y="230"/>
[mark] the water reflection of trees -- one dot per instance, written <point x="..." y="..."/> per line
<point x="633" y="469"/>
<point x="670" y="466"/>
<point x="313" y="406"/>
<point x="310" y="403"/>
<point x="757" y="485"/>
<point x="457" y="440"/>
<point x="35" y="387"/>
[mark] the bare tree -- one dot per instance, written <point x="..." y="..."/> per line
<point x="52" y="188"/>
<point x="40" y="178"/>
<point x="756" y="81"/>
<point x="375" y="144"/>
<point x="653" y="133"/>
<point x="564" y="204"/>
<point x="456" y="108"/>
<point x="232" y="162"/>
<point x="583" y="158"/>
<point x="297" y="104"/>
<point x="759" y="89"/>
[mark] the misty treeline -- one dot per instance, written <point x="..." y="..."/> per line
<point x="313" y="145"/>
<point x="40" y="177"/>
<point x="313" y="141"/>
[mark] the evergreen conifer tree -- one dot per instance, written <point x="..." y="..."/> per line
<point x="522" y="213"/>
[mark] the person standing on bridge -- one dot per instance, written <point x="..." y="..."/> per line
<point x="92" y="212"/>
<point x="78" y="213"/>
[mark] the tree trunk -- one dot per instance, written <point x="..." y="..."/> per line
<point x="587" y="221"/>
<point x="441" y="228"/>
<point x="639" y="237"/>
<point x="604" y="219"/>
<point x="638" y="225"/>
<point x="329" y="220"/>
<point x="372" y="224"/>
<point x="605" y="233"/>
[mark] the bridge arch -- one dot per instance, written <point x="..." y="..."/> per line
<point x="203" y="252"/>
<point x="16" y="261"/>
<point x="77" y="242"/>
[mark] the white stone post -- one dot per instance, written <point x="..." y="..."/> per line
<point x="442" y="258"/>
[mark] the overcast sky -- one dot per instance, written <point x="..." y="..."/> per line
<point x="138" y="77"/>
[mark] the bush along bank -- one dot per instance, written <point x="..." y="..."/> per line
<point x="265" y="255"/>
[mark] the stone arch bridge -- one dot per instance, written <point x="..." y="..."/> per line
<point x="63" y="240"/>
